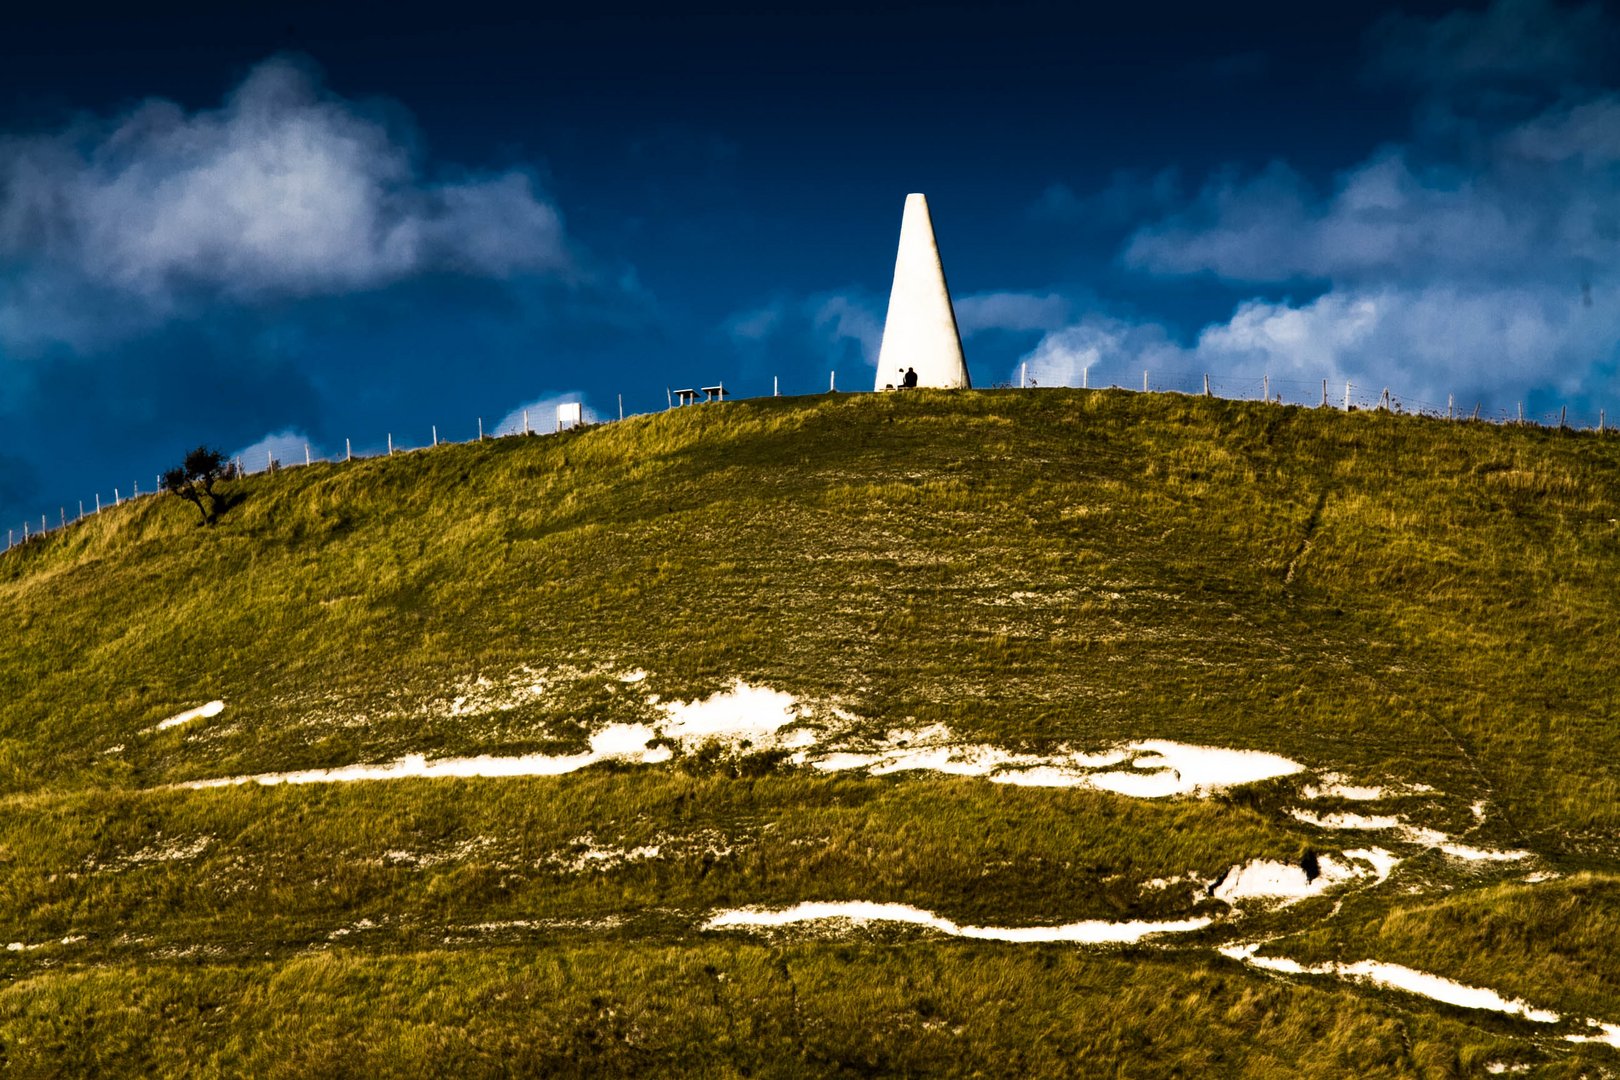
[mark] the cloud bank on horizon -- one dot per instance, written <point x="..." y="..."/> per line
<point x="1477" y="256"/>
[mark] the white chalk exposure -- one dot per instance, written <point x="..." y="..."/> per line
<point x="1179" y="769"/>
<point x="742" y="718"/>
<point x="1091" y="932"/>
<point x="920" y="329"/>
<point x="746" y="718"/>
<point x="1334" y="786"/>
<point x="1346" y="821"/>
<point x="201" y="712"/>
<point x="1268" y="880"/>
<point x="1415" y="834"/>
<point x="626" y="742"/>
<point x="1397" y="977"/>
<point x="1382" y="862"/>
<point x="1153" y="768"/>
<point x="1607" y="1033"/>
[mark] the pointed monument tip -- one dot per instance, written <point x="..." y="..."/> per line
<point x="920" y="338"/>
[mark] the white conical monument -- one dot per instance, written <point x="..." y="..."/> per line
<point x="920" y="332"/>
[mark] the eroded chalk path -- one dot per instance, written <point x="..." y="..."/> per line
<point x="1364" y="841"/>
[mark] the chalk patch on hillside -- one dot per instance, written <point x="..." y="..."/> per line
<point x="1396" y="977"/>
<point x="1607" y="1033"/>
<point x="1382" y="862"/>
<point x="460" y="851"/>
<point x="482" y="695"/>
<point x="201" y="712"/>
<point x="1434" y="838"/>
<point x="1474" y="854"/>
<point x="1414" y="834"/>
<point x="627" y="742"/>
<point x="1332" y="785"/>
<point x="1346" y="821"/>
<point x="742" y="717"/>
<point x="862" y="912"/>
<point x="1181" y="769"/>
<point x="1152" y="768"/>
<point x="30" y="946"/>
<point x="586" y="854"/>
<point x="1265" y="879"/>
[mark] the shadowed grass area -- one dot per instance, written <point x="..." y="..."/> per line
<point x="856" y="1009"/>
<point x="1407" y="603"/>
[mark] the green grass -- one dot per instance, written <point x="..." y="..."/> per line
<point x="1395" y="599"/>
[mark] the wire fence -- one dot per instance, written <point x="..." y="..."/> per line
<point x="1349" y="396"/>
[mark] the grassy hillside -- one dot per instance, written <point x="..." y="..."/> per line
<point x="1422" y="608"/>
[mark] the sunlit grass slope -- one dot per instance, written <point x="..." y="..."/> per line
<point x="1425" y="605"/>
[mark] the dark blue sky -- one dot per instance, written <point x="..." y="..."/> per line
<point x="315" y="223"/>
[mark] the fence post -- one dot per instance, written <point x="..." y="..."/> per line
<point x="348" y="450"/>
<point x="525" y="421"/>
<point x="1085" y="377"/>
<point x="81" y="509"/>
<point x="776" y="386"/>
<point x="1347" y="395"/>
<point x="1521" y="412"/>
<point x="621" y="406"/>
<point x="832" y="382"/>
<point x="669" y="399"/>
<point x="306" y="453"/>
<point x="1451" y="401"/>
<point x="1144" y="380"/>
<point x="1476" y="410"/>
<point x="435" y="434"/>
<point x="391" y="443"/>
<point x="1601" y="418"/>
<point x="63" y="511"/>
<point x="1206" y="385"/>
<point x="1023" y="376"/>
<point x="1265" y="386"/>
<point x="480" y="429"/>
<point x="117" y="499"/>
<point x="98" y="502"/>
<point x="1562" y="413"/>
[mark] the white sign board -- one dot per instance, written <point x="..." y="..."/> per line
<point x="570" y="413"/>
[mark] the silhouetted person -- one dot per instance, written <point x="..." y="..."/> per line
<point x="910" y="381"/>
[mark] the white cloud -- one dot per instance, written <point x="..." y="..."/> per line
<point x="284" y="447"/>
<point x="1480" y="256"/>
<point x="826" y="323"/>
<point x="1424" y="344"/>
<point x="1101" y="344"/>
<point x="1016" y="311"/>
<point x="755" y="325"/>
<point x="286" y="189"/>
<point x="542" y="415"/>
<point x="847" y="318"/>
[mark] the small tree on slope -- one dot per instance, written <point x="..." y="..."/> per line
<point x="195" y="478"/>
